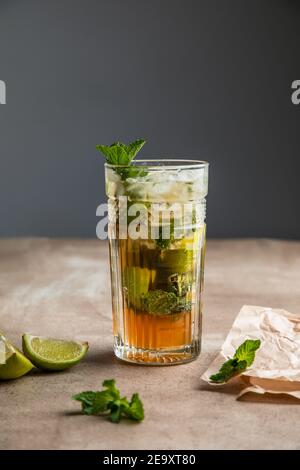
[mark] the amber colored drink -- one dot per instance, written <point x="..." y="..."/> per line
<point x="157" y="284"/>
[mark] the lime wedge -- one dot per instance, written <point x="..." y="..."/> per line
<point x="176" y="261"/>
<point x="51" y="353"/>
<point x="137" y="282"/>
<point x="13" y="363"/>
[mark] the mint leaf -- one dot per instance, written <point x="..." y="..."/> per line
<point x="118" y="409"/>
<point x="134" y="148"/>
<point x="116" y="412"/>
<point x="135" y="410"/>
<point x="110" y="403"/>
<point x="121" y="154"/>
<point x="158" y="302"/>
<point x="183" y="305"/>
<point x="94" y="403"/>
<point x="243" y="358"/>
<point x="85" y="397"/>
<point x="246" y="351"/>
<point x="131" y="172"/>
<point x="111" y="387"/>
<point x="228" y="370"/>
<point x="116" y="153"/>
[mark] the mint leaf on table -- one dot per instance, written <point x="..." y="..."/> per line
<point x="109" y="402"/>
<point x="135" y="409"/>
<point x="242" y="359"/>
<point x="121" y="154"/>
<point x="132" y="410"/>
<point x="111" y="388"/>
<point x="93" y="402"/>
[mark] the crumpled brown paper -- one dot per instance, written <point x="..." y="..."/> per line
<point x="276" y="368"/>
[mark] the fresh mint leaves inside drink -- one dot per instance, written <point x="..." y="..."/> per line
<point x="242" y="359"/>
<point x="110" y="403"/>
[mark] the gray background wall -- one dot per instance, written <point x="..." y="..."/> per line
<point x="200" y="79"/>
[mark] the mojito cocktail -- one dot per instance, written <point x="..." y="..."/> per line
<point x="157" y="250"/>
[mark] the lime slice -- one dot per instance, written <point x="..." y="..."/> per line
<point x="13" y="363"/>
<point x="176" y="261"/>
<point x="51" y="353"/>
<point x="137" y="282"/>
<point x="194" y="241"/>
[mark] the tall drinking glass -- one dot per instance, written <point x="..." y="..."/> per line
<point x="156" y="212"/>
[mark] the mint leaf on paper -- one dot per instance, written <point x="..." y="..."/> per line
<point x="228" y="370"/>
<point x="246" y="351"/>
<point x="109" y="402"/>
<point x="242" y="359"/>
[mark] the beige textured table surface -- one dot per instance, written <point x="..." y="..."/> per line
<point x="62" y="288"/>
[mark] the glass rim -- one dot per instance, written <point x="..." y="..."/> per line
<point x="164" y="163"/>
